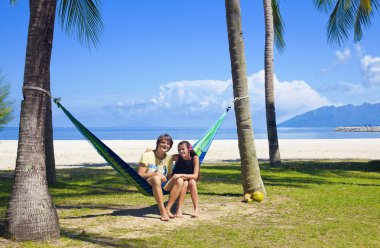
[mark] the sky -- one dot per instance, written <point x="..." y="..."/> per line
<point x="166" y="64"/>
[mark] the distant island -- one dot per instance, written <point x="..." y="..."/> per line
<point x="346" y="116"/>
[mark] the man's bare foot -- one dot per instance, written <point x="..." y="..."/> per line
<point x="170" y="215"/>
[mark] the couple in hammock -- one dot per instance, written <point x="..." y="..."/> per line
<point x="156" y="167"/>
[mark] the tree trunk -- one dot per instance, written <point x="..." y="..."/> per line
<point x="31" y="214"/>
<point x="49" y="147"/>
<point x="274" y="152"/>
<point x="250" y="171"/>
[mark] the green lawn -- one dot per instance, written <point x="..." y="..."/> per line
<point x="309" y="204"/>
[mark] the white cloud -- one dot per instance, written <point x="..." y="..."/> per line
<point x="370" y="70"/>
<point x="194" y="104"/>
<point x="342" y="87"/>
<point x="206" y="99"/>
<point x="326" y="71"/>
<point x="193" y="95"/>
<point x="343" y="56"/>
<point x="291" y="97"/>
<point x="359" y="51"/>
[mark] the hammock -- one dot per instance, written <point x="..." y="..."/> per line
<point x="200" y="147"/>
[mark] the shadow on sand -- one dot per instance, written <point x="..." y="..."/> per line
<point x="136" y="211"/>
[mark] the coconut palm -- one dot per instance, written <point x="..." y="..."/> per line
<point x="347" y="15"/>
<point x="273" y="32"/>
<point x="31" y="214"/>
<point x="250" y="171"/>
<point x="5" y="104"/>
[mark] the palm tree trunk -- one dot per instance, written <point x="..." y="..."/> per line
<point x="31" y="214"/>
<point x="250" y="171"/>
<point x="274" y="152"/>
<point x="49" y="147"/>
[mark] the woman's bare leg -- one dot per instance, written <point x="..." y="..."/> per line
<point x="194" y="196"/>
<point x="174" y="193"/>
<point x="155" y="182"/>
<point x="181" y="199"/>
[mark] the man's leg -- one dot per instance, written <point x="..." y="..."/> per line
<point x="155" y="182"/>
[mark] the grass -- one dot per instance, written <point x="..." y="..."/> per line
<point x="309" y="204"/>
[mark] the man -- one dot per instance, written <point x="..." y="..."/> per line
<point x="154" y="166"/>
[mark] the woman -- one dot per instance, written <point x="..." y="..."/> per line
<point x="186" y="169"/>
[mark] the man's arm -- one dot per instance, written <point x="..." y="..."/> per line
<point x="142" y="171"/>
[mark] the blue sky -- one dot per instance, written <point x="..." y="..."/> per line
<point x="166" y="64"/>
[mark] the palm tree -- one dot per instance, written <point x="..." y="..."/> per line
<point x="81" y="17"/>
<point x="31" y="214"/>
<point x="250" y="170"/>
<point x="347" y="14"/>
<point x="5" y="104"/>
<point x="273" y="21"/>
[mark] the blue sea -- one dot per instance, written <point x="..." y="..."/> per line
<point x="71" y="133"/>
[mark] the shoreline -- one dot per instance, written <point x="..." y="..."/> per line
<point x="364" y="129"/>
<point x="77" y="153"/>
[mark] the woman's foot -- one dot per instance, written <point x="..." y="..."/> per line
<point x="179" y="214"/>
<point x="195" y="213"/>
<point x="164" y="217"/>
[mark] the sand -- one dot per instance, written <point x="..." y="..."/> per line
<point x="74" y="153"/>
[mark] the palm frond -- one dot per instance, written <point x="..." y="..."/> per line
<point x="323" y="5"/>
<point x="375" y="4"/>
<point x="365" y="5"/>
<point x="363" y="18"/>
<point x="6" y="108"/>
<point x="278" y="25"/>
<point x="347" y="16"/>
<point x="83" y="18"/>
<point x="341" y="21"/>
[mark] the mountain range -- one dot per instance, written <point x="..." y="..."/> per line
<point x="332" y="116"/>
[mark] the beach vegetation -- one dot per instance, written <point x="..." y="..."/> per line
<point x="250" y="170"/>
<point x="35" y="165"/>
<point x="5" y="103"/>
<point x="317" y="203"/>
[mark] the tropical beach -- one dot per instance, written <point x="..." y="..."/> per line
<point x="274" y="124"/>
<point x="76" y="153"/>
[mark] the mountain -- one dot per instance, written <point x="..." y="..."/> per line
<point x="331" y="116"/>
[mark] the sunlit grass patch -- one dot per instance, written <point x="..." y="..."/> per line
<point x="309" y="204"/>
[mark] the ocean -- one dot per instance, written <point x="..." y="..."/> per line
<point x="71" y="133"/>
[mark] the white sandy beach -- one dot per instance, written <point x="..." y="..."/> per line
<point x="73" y="153"/>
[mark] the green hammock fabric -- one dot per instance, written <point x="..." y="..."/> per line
<point x="200" y="147"/>
<point x="203" y="144"/>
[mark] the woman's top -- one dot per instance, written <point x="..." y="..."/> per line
<point x="184" y="166"/>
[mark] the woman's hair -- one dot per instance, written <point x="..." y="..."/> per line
<point x="189" y="146"/>
<point x="163" y="137"/>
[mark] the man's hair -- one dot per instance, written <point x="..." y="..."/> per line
<point x="163" y="137"/>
